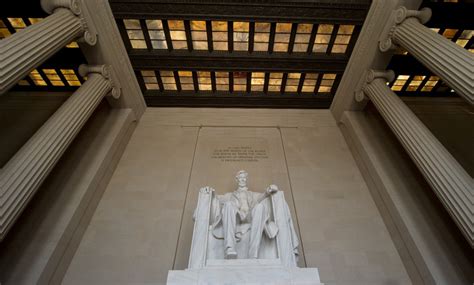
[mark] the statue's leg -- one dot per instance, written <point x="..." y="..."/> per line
<point x="229" y="223"/>
<point x="256" y="230"/>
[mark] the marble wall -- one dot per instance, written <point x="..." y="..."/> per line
<point x="142" y="227"/>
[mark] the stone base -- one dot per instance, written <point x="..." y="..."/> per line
<point x="244" y="275"/>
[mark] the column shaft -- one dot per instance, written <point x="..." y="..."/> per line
<point x="452" y="63"/>
<point x="452" y="184"/>
<point x="27" y="169"/>
<point x="28" y="48"/>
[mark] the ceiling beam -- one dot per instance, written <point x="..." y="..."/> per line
<point x="237" y="61"/>
<point x="237" y="99"/>
<point x="450" y="15"/>
<point x="340" y="12"/>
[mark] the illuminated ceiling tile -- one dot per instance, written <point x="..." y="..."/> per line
<point x="178" y="35"/>
<point x="198" y="25"/>
<point x="150" y="79"/>
<point x="342" y="39"/>
<point x="154" y="24"/>
<point x="325" y="29"/>
<point x="345" y="29"/>
<point x="220" y="45"/>
<point x="241" y="26"/>
<point x="339" y="48"/>
<point x="300" y="47"/>
<point x="160" y="44"/>
<point x="294" y="75"/>
<point x="329" y="76"/>
<point x="280" y="47"/>
<point x="138" y="44"/>
<point x="131" y="24"/>
<point x="449" y="33"/>
<point x="397" y="87"/>
<point x="185" y="73"/>
<point x="17" y="23"/>
<point x="241" y="37"/>
<point x="151" y="86"/>
<point x="200" y="45"/>
<point x="262" y="37"/>
<point x="466" y="34"/>
<point x="324" y="89"/>
<point x="403" y="77"/>
<point x="260" y="46"/>
<point x="320" y="48"/>
<point x="35" y="20"/>
<point x="262" y="27"/>
<point x="72" y="45"/>
<point x="304" y="28"/>
<point x="176" y="25"/>
<point x="219" y="26"/>
<point x="419" y="77"/>
<point x="283" y="27"/>
<point x="322" y="39"/>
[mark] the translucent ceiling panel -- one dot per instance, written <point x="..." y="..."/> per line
<point x="261" y="37"/>
<point x="186" y="80"/>
<point x="343" y="38"/>
<point x="292" y="82"/>
<point x="222" y="81"/>
<point x="204" y="80"/>
<point x="157" y="34"/>
<point x="240" y="81"/>
<point x="327" y="82"/>
<point x="135" y="33"/>
<point x="241" y="36"/>
<point x="258" y="81"/>
<point x="282" y="37"/>
<point x="400" y="82"/>
<point x="71" y="77"/>
<point x="309" y="82"/>
<point x="219" y="35"/>
<point x="303" y="33"/>
<point x="150" y="80"/>
<point x="178" y="34"/>
<point x="169" y="83"/>
<point x="323" y="37"/>
<point x="199" y="35"/>
<point x="53" y="77"/>
<point x="274" y="84"/>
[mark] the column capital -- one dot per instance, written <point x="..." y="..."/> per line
<point x="78" y="8"/>
<point x="108" y="72"/>
<point x="371" y="75"/>
<point x="398" y="16"/>
<point x="388" y="75"/>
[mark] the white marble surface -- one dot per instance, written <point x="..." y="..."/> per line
<point x="247" y="276"/>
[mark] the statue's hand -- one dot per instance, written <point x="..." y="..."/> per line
<point x="272" y="189"/>
<point x="206" y="190"/>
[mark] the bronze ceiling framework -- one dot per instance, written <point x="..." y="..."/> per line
<point x="180" y="59"/>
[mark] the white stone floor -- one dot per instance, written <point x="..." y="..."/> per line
<point x="142" y="226"/>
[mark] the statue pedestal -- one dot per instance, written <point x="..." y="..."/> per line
<point x="244" y="275"/>
<point x="277" y="257"/>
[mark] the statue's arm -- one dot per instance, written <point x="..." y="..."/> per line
<point x="272" y="189"/>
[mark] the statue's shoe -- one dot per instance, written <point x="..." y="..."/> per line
<point x="230" y="253"/>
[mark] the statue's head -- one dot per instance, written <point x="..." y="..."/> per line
<point x="241" y="178"/>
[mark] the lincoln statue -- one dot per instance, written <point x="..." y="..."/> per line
<point x="243" y="212"/>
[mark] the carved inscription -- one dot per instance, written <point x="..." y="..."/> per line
<point x="239" y="153"/>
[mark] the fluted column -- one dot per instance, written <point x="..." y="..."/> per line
<point x="452" y="63"/>
<point x="28" y="48"/>
<point x="26" y="170"/>
<point x="452" y="184"/>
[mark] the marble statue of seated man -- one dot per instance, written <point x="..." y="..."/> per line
<point x="236" y="213"/>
